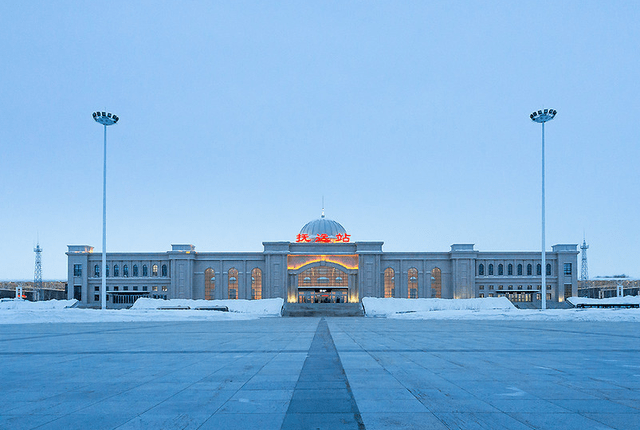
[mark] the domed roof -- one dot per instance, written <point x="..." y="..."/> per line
<point x="323" y="226"/>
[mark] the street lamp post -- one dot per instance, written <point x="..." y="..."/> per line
<point x="105" y="119"/>
<point x="541" y="117"/>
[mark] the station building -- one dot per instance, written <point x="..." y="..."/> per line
<point x="323" y="264"/>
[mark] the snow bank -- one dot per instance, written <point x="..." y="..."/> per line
<point x="615" y="300"/>
<point x="44" y="305"/>
<point x="58" y="311"/>
<point x="490" y="308"/>
<point x="255" y="307"/>
<point x="389" y="307"/>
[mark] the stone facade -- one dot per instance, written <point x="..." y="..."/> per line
<point x="345" y="271"/>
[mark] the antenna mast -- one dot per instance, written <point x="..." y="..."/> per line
<point x="38" y="293"/>
<point x="584" y="269"/>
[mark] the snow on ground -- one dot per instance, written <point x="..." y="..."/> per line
<point x="254" y="307"/>
<point x="490" y="308"/>
<point x="27" y="305"/>
<point x="53" y="311"/>
<point x="615" y="300"/>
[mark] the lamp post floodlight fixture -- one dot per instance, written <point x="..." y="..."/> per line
<point x="541" y="117"/>
<point x="104" y="118"/>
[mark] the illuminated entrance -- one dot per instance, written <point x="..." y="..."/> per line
<point x="322" y="278"/>
<point x="323" y="284"/>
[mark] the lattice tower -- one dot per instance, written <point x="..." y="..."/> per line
<point x="38" y="293"/>
<point x="584" y="269"/>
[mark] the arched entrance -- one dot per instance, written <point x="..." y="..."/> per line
<point x="323" y="282"/>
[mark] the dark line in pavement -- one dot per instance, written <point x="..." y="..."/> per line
<point x="322" y="398"/>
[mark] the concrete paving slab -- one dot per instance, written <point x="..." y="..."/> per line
<point x="248" y="374"/>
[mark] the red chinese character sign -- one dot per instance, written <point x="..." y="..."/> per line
<point x="324" y="238"/>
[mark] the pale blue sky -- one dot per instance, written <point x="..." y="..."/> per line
<point x="410" y="118"/>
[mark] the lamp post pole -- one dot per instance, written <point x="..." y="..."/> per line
<point x="541" y="117"/>
<point x="105" y="119"/>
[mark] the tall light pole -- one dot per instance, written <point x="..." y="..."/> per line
<point x="541" y="117"/>
<point x="105" y="119"/>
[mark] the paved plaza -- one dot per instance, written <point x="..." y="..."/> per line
<point x="321" y="373"/>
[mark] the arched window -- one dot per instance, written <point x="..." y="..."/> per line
<point x="510" y="270"/>
<point x="436" y="283"/>
<point x="529" y="270"/>
<point x="209" y="284"/>
<point x="412" y="292"/>
<point x="490" y="269"/>
<point x="164" y="270"/>
<point x="116" y="270"/>
<point x="106" y="273"/>
<point x="519" y="269"/>
<point x="389" y="282"/>
<point x="96" y="270"/>
<point x="135" y="270"/>
<point x="481" y="270"/>
<point x="500" y="270"/>
<point x="548" y="270"/>
<point x="233" y="283"/>
<point x="154" y="270"/>
<point x="125" y="271"/>
<point x="539" y="269"/>
<point x="145" y="270"/>
<point x="256" y="284"/>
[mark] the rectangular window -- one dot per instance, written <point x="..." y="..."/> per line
<point x="568" y="290"/>
<point x="154" y="288"/>
<point x="96" y="298"/>
<point x="135" y="288"/>
<point x="115" y="288"/>
<point x="77" y="270"/>
<point x="481" y="287"/>
<point x="144" y="288"/>
<point x="96" y="288"/>
<point x="491" y="287"/>
<point x="125" y="288"/>
<point x="164" y="288"/>
<point x="481" y="295"/>
<point x="567" y="269"/>
<point x="490" y="294"/>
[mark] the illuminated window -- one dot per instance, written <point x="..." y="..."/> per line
<point x="436" y="283"/>
<point x="519" y="269"/>
<point x="233" y="283"/>
<point x="145" y="270"/>
<point x="389" y="282"/>
<point x="500" y="270"/>
<point x="490" y="269"/>
<point x="154" y="270"/>
<point x="481" y="287"/>
<point x="256" y="284"/>
<point x="412" y="283"/>
<point x="510" y="270"/>
<point x="491" y="287"/>
<point x="96" y="270"/>
<point x="529" y="270"/>
<point x="164" y="288"/>
<point x="135" y="270"/>
<point x="125" y="271"/>
<point x="116" y="270"/>
<point x="209" y="284"/>
<point x="539" y="269"/>
<point x="481" y="270"/>
<point x="164" y="270"/>
<point x="481" y="295"/>
<point x="154" y="288"/>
